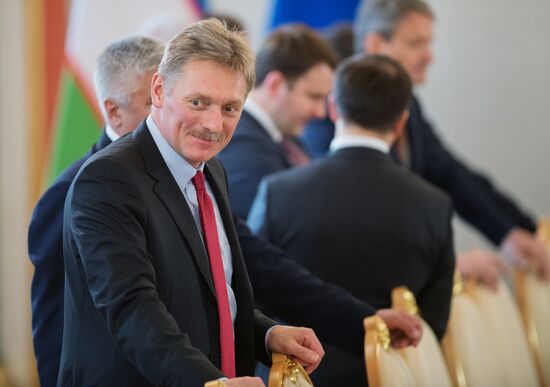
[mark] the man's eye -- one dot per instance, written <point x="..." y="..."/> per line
<point x="196" y="102"/>
<point x="231" y="109"/>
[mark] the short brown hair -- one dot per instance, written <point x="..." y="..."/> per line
<point x="372" y="91"/>
<point x="207" y="39"/>
<point x="292" y="49"/>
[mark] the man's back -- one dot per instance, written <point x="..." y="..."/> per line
<point x="358" y="220"/>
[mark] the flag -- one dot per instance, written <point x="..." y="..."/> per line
<point x="92" y="26"/>
<point x="317" y="14"/>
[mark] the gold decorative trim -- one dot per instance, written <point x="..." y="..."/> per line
<point x="214" y="383"/>
<point x="454" y="364"/>
<point x="377" y="338"/>
<point x="521" y="278"/>
<point x="284" y="367"/>
<point x="3" y="378"/>
<point x="403" y="298"/>
<point x="458" y="284"/>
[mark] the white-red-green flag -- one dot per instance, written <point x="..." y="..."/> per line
<point x="93" y="25"/>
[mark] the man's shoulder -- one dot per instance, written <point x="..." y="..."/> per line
<point x="301" y="176"/>
<point x="249" y="129"/>
<point x="424" y="192"/>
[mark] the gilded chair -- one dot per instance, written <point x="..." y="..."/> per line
<point x="385" y="367"/>
<point x="285" y="372"/>
<point x="510" y="347"/>
<point x="426" y="361"/>
<point x="468" y="343"/>
<point x="533" y="298"/>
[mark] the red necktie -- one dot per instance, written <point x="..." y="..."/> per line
<point x="212" y="242"/>
<point x="295" y="155"/>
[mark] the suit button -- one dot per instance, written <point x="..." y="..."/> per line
<point x="214" y="358"/>
<point x="211" y="301"/>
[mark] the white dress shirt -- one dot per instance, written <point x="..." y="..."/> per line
<point x="183" y="172"/>
<point x="110" y="132"/>
<point x="263" y="118"/>
<point x="355" y="140"/>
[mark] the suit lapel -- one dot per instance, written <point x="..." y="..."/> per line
<point x="170" y="195"/>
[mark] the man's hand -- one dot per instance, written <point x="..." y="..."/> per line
<point x="404" y="329"/>
<point x="526" y="250"/>
<point x="246" y="381"/>
<point x="300" y="344"/>
<point x="482" y="265"/>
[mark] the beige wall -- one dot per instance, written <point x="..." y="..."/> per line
<point x="488" y="93"/>
<point x="15" y="346"/>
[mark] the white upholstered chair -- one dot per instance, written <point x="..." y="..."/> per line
<point x="426" y="361"/>
<point x="534" y="303"/>
<point x="385" y="366"/>
<point x="509" y="345"/>
<point x="468" y="344"/>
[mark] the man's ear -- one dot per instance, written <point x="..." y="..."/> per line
<point x="157" y="90"/>
<point x="114" y="119"/>
<point x="374" y="43"/>
<point x="274" y="82"/>
<point x="401" y="123"/>
<point x="332" y="110"/>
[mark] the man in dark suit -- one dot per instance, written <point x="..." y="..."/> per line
<point x="356" y="218"/>
<point x="286" y="288"/>
<point x="293" y="77"/>
<point x="402" y="30"/>
<point x="122" y="79"/>
<point x="156" y="290"/>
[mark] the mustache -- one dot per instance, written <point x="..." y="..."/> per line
<point x="208" y="135"/>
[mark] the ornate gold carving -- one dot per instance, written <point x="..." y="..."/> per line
<point x="284" y="368"/>
<point x="543" y="231"/>
<point x="383" y="334"/>
<point x="458" y="284"/>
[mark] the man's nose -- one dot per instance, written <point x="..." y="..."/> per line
<point x="212" y="120"/>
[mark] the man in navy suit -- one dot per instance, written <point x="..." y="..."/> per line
<point x="294" y="73"/>
<point x="402" y="30"/>
<point x="122" y="80"/>
<point x="270" y="269"/>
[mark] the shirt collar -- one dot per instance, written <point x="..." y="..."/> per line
<point x="180" y="168"/>
<point x="354" y="140"/>
<point x="263" y="117"/>
<point x="110" y="132"/>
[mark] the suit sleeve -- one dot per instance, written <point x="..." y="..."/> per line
<point x="46" y="253"/>
<point x="474" y="197"/>
<point x="105" y="216"/>
<point x="291" y="292"/>
<point x="438" y="291"/>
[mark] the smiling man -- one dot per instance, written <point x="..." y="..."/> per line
<point x="294" y="70"/>
<point x="157" y="292"/>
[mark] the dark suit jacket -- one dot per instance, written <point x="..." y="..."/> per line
<point x="474" y="196"/>
<point x="358" y="220"/>
<point x="248" y="158"/>
<point x="46" y="254"/>
<point x="282" y="286"/>
<point x="140" y="306"/>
